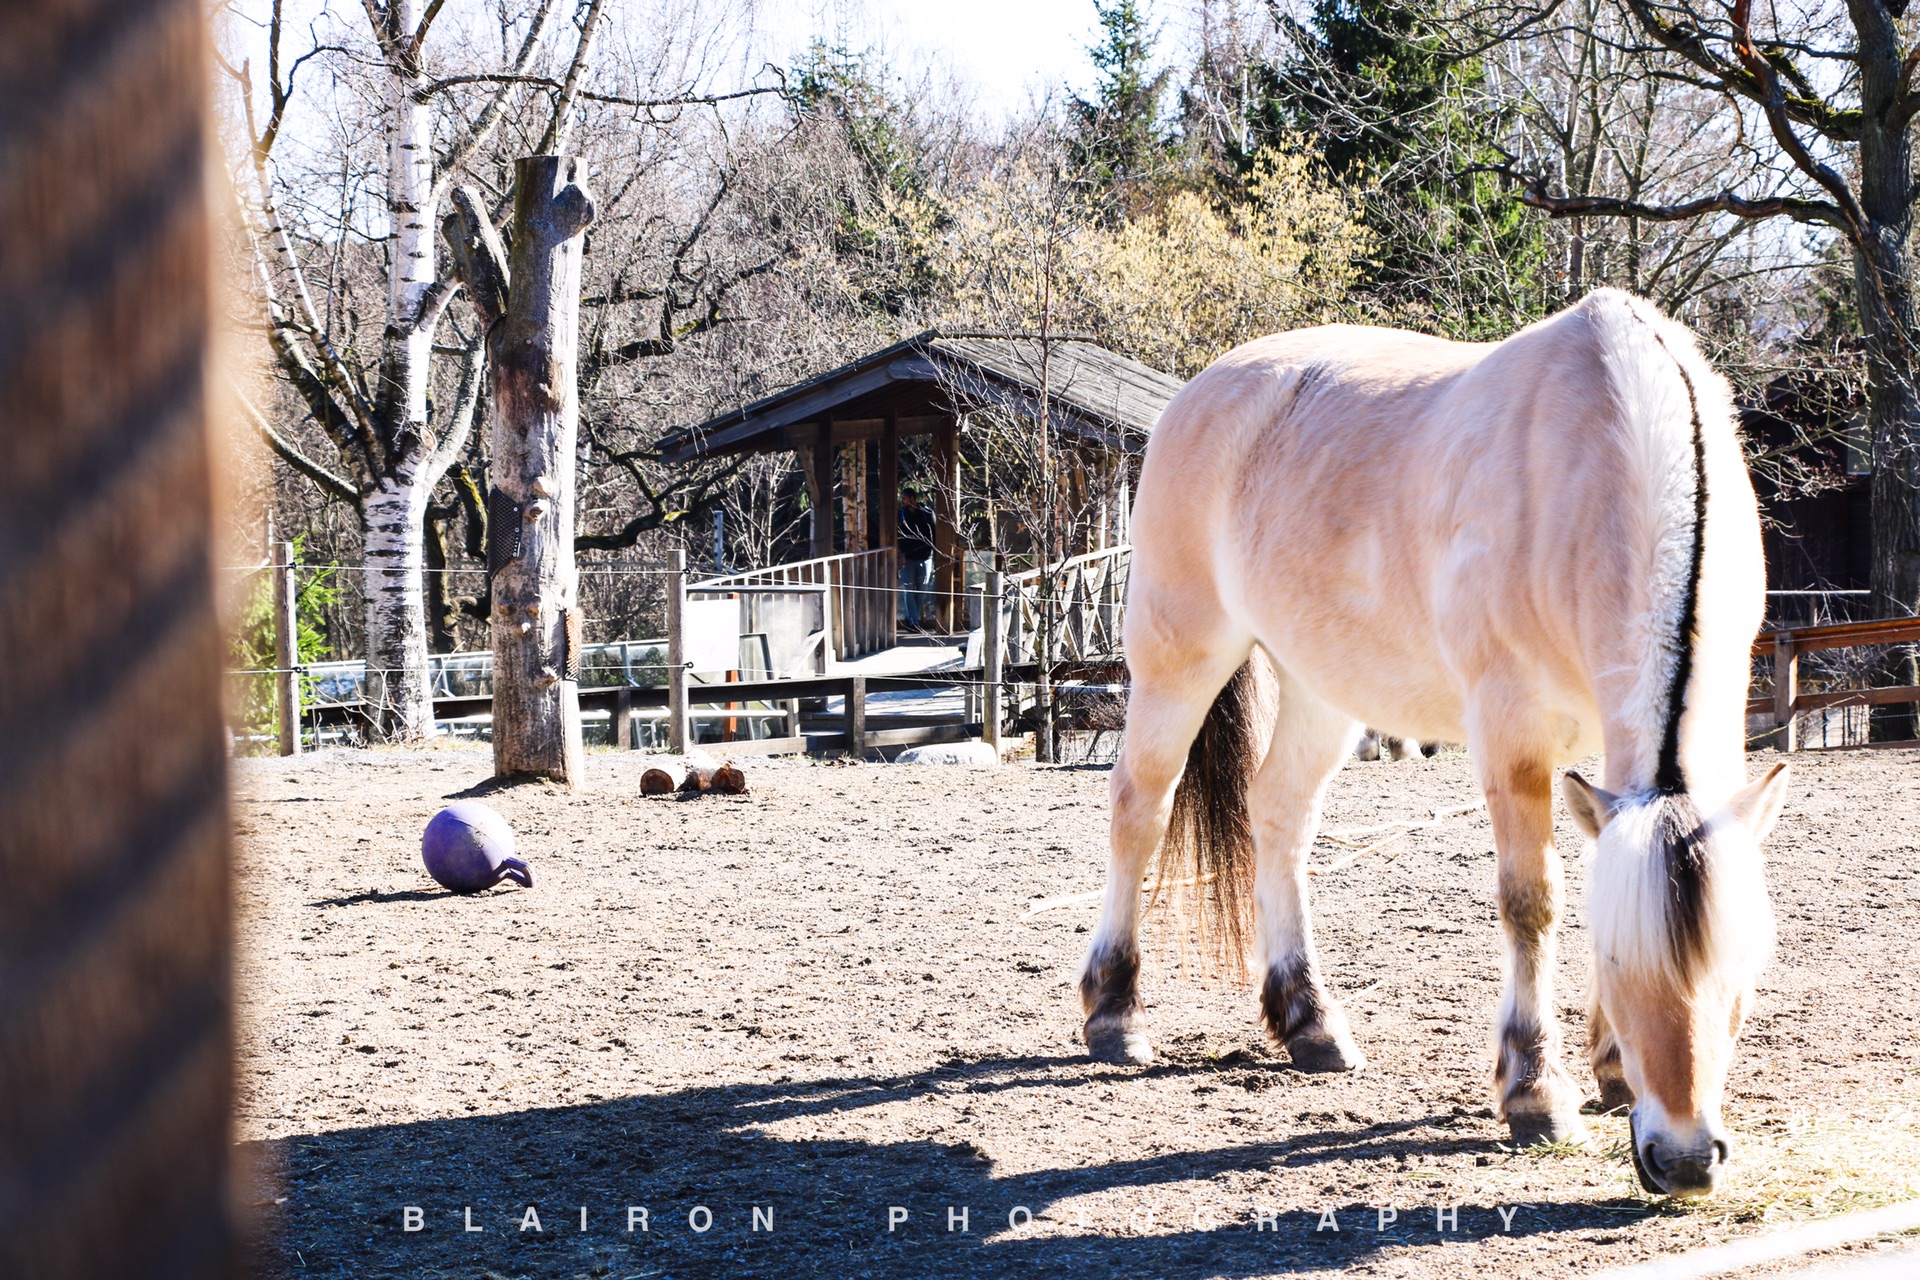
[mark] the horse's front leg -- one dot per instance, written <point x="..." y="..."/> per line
<point x="1533" y="1092"/>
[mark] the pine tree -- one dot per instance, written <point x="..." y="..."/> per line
<point x="1120" y="143"/>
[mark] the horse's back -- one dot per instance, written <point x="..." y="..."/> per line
<point x="1390" y="513"/>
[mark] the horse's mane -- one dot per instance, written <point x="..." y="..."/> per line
<point x="1672" y="895"/>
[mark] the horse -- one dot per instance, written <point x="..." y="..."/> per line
<point x="1542" y="547"/>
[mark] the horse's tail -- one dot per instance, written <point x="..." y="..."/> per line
<point x="1208" y="847"/>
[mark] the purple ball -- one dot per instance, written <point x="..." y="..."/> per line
<point x="469" y="847"/>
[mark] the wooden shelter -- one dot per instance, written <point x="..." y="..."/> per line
<point x="926" y="385"/>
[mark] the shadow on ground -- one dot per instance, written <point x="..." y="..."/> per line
<point x="830" y="1201"/>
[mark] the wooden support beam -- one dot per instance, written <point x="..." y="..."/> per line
<point x="886" y="490"/>
<point x="857" y="717"/>
<point x="853" y="495"/>
<point x="990" y="658"/>
<point x="817" y="461"/>
<point x="1786" y="689"/>
<point x="949" y="570"/>
<point x="677" y="724"/>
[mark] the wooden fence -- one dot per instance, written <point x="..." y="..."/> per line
<point x="1785" y="649"/>
<point x="860" y="595"/>
<point x="1089" y="599"/>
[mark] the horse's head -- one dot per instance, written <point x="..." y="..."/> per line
<point x="1681" y="927"/>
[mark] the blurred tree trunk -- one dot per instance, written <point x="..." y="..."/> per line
<point x="115" y="934"/>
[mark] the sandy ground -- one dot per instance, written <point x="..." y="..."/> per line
<point x="827" y="1001"/>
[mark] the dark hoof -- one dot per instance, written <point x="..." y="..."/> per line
<point x="1615" y="1095"/>
<point x="1110" y="1040"/>
<point x="1537" y="1127"/>
<point x="1325" y="1053"/>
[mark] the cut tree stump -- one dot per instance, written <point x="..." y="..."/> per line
<point x="530" y="298"/>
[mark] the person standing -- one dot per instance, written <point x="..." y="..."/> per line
<point x="916" y="560"/>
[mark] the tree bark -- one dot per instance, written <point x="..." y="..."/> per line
<point x="115" y="928"/>
<point x="534" y="414"/>
<point x="399" y="699"/>
<point x="1883" y="273"/>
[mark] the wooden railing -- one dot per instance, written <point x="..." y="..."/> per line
<point x="860" y="595"/>
<point x="1786" y="647"/>
<point x="1089" y="600"/>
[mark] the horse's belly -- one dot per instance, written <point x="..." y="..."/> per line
<point x="1396" y="692"/>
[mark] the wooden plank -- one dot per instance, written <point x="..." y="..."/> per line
<point x="1890" y="695"/>
<point x="923" y="735"/>
<point x="1881" y="697"/>
<point x="857" y="715"/>
<point x="1844" y="635"/>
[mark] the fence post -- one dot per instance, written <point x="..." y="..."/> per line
<point x="678" y="739"/>
<point x="623" y="719"/>
<point x="286" y="647"/>
<point x="990" y="658"/>
<point x="1786" y="688"/>
<point x="857" y="717"/>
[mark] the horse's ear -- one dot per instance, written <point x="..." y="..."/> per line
<point x="1591" y="806"/>
<point x="1758" y="803"/>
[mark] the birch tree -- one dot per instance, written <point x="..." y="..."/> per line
<point x="391" y="451"/>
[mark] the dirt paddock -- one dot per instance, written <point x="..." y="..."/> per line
<point x="793" y="1017"/>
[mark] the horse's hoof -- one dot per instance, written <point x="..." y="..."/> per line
<point x="1615" y="1094"/>
<point x="1325" y="1053"/>
<point x="1111" y="1041"/>
<point x="1535" y="1128"/>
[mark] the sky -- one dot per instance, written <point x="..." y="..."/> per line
<point x="1006" y="51"/>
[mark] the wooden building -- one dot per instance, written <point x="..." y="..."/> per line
<point x="1816" y="520"/>
<point x="847" y="425"/>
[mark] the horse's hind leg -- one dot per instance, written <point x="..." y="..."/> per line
<point x="1165" y="709"/>
<point x="1310" y="742"/>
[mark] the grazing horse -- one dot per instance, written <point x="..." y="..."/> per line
<point x="1542" y="547"/>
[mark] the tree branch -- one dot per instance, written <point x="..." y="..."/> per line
<point x="1691" y="43"/>
<point x="1533" y="193"/>
<point x="463" y="151"/>
<point x="466" y="401"/>
<point x="329" y="482"/>
<point x="476" y="255"/>
<point x="1774" y="104"/>
<point x="554" y="140"/>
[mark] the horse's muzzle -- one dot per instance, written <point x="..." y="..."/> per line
<point x="1682" y="1174"/>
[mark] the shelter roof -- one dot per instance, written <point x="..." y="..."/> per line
<point x="927" y="380"/>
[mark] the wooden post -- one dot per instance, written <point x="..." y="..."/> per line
<point x="949" y="571"/>
<point x="853" y="494"/>
<point x="286" y="647"/>
<point x="678" y="737"/>
<point x="534" y="412"/>
<point x="623" y="719"/>
<point x="116" y="1044"/>
<point x="990" y="657"/>
<point x="817" y="462"/>
<point x="1786" y="688"/>
<point x="857" y="717"/>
